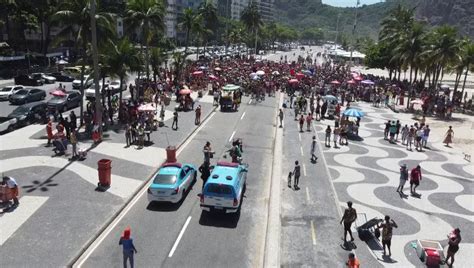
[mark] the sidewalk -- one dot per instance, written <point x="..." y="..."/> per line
<point x="6" y="82"/>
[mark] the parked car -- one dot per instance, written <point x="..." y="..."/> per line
<point x="7" y="124"/>
<point x="26" y="95"/>
<point x="62" y="77"/>
<point x="88" y="81"/>
<point x="47" y="79"/>
<point x="90" y="91"/>
<point x="26" y="80"/>
<point x="29" y="113"/>
<point x="224" y="190"/>
<point x="171" y="182"/>
<point x="63" y="103"/>
<point x="6" y="92"/>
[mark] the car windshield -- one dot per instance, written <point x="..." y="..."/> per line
<point x="21" y="110"/>
<point x="22" y="92"/>
<point x="164" y="179"/>
<point x="6" y="89"/>
<point x="219" y="189"/>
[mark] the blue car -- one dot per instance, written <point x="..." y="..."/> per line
<point x="225" y="188"/>
<point x="171" y="182"/>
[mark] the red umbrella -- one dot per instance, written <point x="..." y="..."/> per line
<point x="335" y="82"/>
<point x="198" y="73"/>
<point x="213" y="77"/>
<point x="185" y="91"/>
<point x="58" y="93"/>
<point x="293" y="81"/>
<point x="299" y="76"/>
<point x="357" y="78"/>
<point x="351" y="82"/>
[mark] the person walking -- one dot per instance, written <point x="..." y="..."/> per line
<point x="418" y="138"/>
<point x="128" y="135"/>
<point x="353" y="261"/>
<point x="350" y="216"/>
<point x="410" y="136"/>
<point x="336" y="136"/>
<point x="280" y="116"/>
<point x="11" y="184"/>
<point x="49" y="131"/>
<point x="174" y="126"/>
<point x="449" y="136"/>
<point x="128" y="248"/>
<point x="141" y="136"/>
<point x="415" y="178"/>
<point x="309" y="118"/>
<point x="205" y="170"/>
<point x="314" y="158"/>
<point x="301" y="123"/>
<point x="387" y="231"/>
<point x="327" y="139"/>
<point x="296" y="173"/>
<point x="403" y="178"/>
<point x="426" y="135"/>
<point x="73" y="141"/>
<point x="197" y="120"/>
<point x="404" y="131"/>
<point x="73" y="121"/>
<point x="324" y="108"/>
<point x="399" y="126"/>
<point x="208" y="152"/>
<point x="454" y="240"/>
<point x="386" y="130"/>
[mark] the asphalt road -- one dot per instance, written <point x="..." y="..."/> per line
<point x="207" y="241"/>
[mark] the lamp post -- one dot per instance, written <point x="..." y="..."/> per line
<point x="354" y="30"/>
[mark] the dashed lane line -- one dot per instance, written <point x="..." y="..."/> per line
<point x="179" y="237"/>
<point x="313" y="233"/>
<point x="307" y="195"/>
<point x="243" y="115"/>
<point x="232" y="136"/>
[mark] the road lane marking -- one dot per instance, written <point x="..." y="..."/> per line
<point x="243" y="115"/>
<point x="179" y="237"/>
<point x="250" y="101"/>
<point x="299" y="136"/>
<point x="82" y="259"/>
<point x="304" y="170"/>
<point x="307" y="195"/>
<point x="301" y="150"/>
<point x="11" y="222"/>
<point x="232" y="136"/>
<point x="313" y="233"/>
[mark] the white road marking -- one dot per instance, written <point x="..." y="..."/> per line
<point x="232" y="136"/>
<point x="301" y="150"/>
<point x="313" y="233"/>
<point x="307" y="195"/>
<point x="243" y="115"/>
<point x="250" y="101"/>
<point x="179" y="237"/>
<point x="124" y="212"/>
<point x="11" y="222"/>
<point x="299" y="136"/>
<point x="304" y="170"/>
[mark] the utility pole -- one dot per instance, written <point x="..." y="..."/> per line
<point x="354" y="30"/>
<point x="95" y="60"/>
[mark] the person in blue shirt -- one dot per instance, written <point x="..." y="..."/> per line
<point x="128" y="247"/>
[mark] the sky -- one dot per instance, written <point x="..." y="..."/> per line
<point x="349" y="3"/>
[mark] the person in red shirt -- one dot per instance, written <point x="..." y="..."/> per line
<point x="352" y="262"/>
<point x="49" y="131"/>
<point x="309" y="118"/>
<point x="415" y="178"/>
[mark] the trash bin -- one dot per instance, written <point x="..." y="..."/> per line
<point x="105" y="168"/>
<point x="170" y="154"/>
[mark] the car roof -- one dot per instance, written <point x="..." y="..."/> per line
<point x="33" y="104"/>
<point x="170" y="169"/>
<point x="225" y="173"/>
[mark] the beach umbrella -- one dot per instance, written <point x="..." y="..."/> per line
<point x="444" y="86"/>
<point x="202" y="68"/>
<point x="353" y="112"/>
<point x="367" y="82"/>
<point x="276" y="73"/>
<point x="256" y="77"/>
<point x="417" y="101"/>
<point x="217" y="69"/>
<point x="213" y="77"/>
<point x="185" y="91"/>
<point x="330" y="98"/>
<point x="146" y="107"/>
<point x="62" y="62"/>
<point x="260" y="72"/>
<point x="58" y="93"/>
<point x="335" y="82"/>
<point x="307" y="72"/>
<point x="230" y="87"/>
<point x="293" y="81"/>
<point x="253" y="74"/>
<point x="299" y="76"/>
<point x="196" y="73"/>
<point x="357" y="78"/>
<point x="351" y="82"/>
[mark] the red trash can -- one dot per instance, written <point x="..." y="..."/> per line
<point x="171" y="154"/>
<point x="105" y="170"/>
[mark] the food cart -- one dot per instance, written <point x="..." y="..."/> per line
<point x="227" y="99"/>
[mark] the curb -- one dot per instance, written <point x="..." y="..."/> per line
<point x="72" y="263"/>
<point x="272" y="237"/>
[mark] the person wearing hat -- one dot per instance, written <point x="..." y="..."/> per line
<point x="403" y="178"/>
<point x="128" y="248"/>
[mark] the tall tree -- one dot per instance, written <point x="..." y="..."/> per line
<point x="188" y="22"/>
<point x="157" y="57"/>
<point x="146" y="16"/>
<point x="252" y="20"/>
<point x="208" y="12"/>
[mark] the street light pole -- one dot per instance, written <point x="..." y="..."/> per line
<point x="354" y="30"/>
<point x="337" y="33"/>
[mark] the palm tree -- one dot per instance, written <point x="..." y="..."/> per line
<point x="157" y="57"/>
<point x="146" y="15"/>
<point x="179" y="59"/>
<point x="252" y="20"/>
<point x="188" y="21"/>
<point x="208" y="12"/>
<point x="75" y="15"/>
<point x="467" y="61"/>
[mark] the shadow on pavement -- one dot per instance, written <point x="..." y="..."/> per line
<point x="219" y="219"/>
